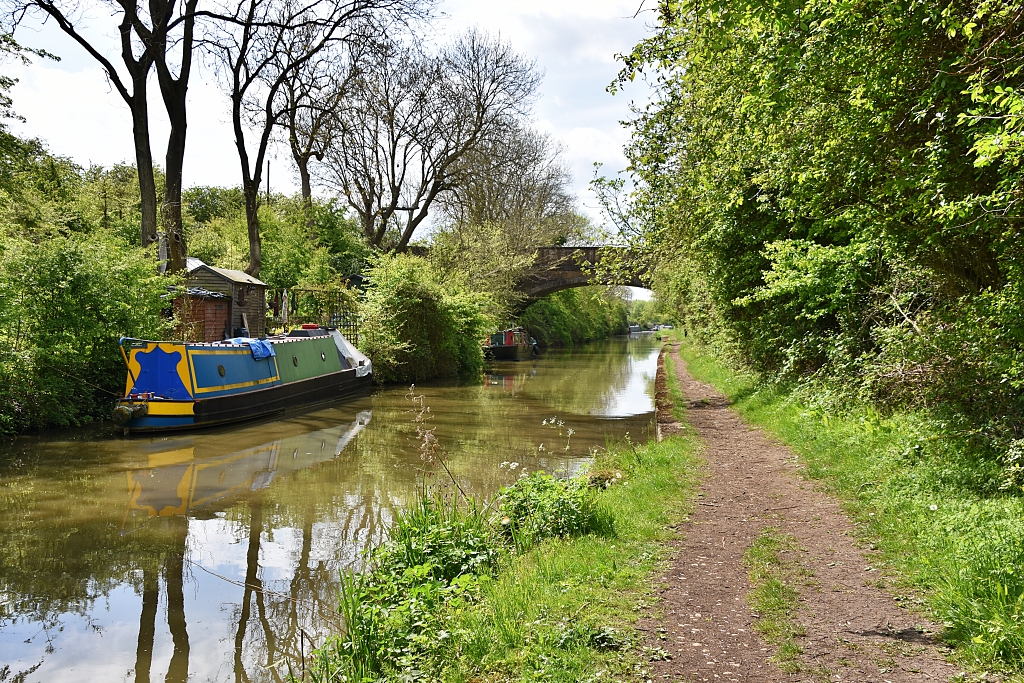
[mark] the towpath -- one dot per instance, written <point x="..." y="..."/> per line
<point x="853" y="628"/>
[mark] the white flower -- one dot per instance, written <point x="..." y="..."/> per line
<point x="933" y="507"/>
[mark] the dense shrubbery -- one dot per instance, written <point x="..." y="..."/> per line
<point x="63" y="305"/>
<point x="573" y="316"/>
<point x="833" y="191"/>
<point x="70" y="286"/>
<point x="540" y="506"/>
<point x="415" y="327"/>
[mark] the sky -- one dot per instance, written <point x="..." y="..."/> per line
<point x="71" y="106"/>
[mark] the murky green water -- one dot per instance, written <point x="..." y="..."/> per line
<point x="215" y="556"/>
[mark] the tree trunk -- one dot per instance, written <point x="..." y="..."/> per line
<point x="144" y="160"/>
<point x="172" y="203"/>
<point x="306" y="185"/>
<point x="252" y="222"/>
<point x="174" y="91"/>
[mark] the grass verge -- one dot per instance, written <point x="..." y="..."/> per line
<point x="447" y="599"/>
<point x="675" y="392"/>
<point x="953" y="543"/>
<point x="772" y="597"/>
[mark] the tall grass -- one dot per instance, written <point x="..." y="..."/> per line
<point x="953" y="539"/>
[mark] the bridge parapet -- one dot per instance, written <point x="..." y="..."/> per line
<point x="558" y="268"/>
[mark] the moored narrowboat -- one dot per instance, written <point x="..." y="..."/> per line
<point x="182" y="385"/>
<point x="512" y="344"/>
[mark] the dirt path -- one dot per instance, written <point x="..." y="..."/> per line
<point x="854" y="630"/>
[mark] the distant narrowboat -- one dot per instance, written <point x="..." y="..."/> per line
<point x="513" y="344"/>
<point x="182" y="385"/>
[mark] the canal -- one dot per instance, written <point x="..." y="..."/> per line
<point x="215" y="556"/>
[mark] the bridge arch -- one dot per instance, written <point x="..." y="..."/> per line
<point x="558" y="268"/>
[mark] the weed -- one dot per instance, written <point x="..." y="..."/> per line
<point x="540" y="506"/>
<point x="773" y="598"/>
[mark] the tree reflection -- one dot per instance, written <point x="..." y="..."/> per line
<point x="80" y="521"/>
<point x="147" y="625"/>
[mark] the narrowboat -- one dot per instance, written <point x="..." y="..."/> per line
<point x="183" y="385"/>
<point x="513" y="344"/>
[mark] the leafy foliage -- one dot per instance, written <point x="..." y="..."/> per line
<point x="573" y="316"/>
<point x="539" y="506"/>
<point x="415" y="327"/>
<point x="303" y="245"/>
<point x="64" y="303"/>
<point x="832" y="191"/>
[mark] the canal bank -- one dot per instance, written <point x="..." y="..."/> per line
<point x="216" y="554"/>
<point x="548" y="585"/>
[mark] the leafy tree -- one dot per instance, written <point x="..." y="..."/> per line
<point x="833" y="190"/>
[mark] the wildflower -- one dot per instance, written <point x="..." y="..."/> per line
<point x="505" y="521"/>
<point x="933" y="507"/>
<point x="540" y="447"/>
<point x="512" y="466"/>
<point x="571" y="431"/>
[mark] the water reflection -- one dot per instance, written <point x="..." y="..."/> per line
<point x="215" y="557"/>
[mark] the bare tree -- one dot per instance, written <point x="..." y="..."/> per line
<point x="148" y="34"/>
<point x="252" y="53"/>
<point x="410" y="120"/>
<point x="520" y="183"/>
<point x="314" y="96"/>
<point x="173" y="89"/>
<point x="137" y="59"/>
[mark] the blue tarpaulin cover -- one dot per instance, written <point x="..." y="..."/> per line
<point x="260" y="349"/>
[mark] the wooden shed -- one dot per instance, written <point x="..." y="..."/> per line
<point x="202" y="315"/>
<point x="245" y="295"/>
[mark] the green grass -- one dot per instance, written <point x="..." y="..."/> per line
<point x="563" y="610"/>
<point x="951" y="541"/>
<point x="773" y="598"/>
<point x="675" y="392"/>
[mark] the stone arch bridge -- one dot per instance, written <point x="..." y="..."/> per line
<point x="558" y="268"/>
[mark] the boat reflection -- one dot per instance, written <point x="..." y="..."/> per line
<point x="177" y="483"/>
<point x="178" y="480"/>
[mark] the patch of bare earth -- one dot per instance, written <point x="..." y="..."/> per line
<point x="853" y="629"/>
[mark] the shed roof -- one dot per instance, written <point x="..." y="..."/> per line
<point x="236" y="276"/>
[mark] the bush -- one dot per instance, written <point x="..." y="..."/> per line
<point x="396" y="613"/>
<point x="539" y="506"/>
<point x="573" y="316"/>
<point x="414" y="328"/>
<point x="64" y="303"/>
<point x="402" y="614"/>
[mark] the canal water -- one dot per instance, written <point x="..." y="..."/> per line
<point x="215" y="556"/>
